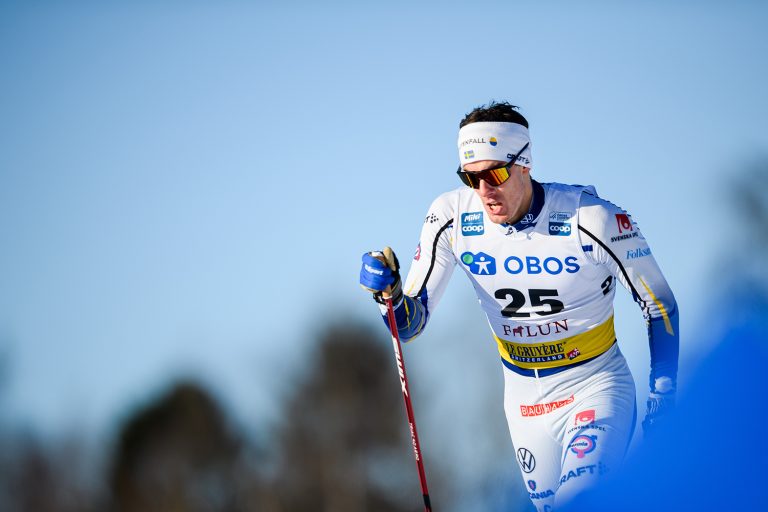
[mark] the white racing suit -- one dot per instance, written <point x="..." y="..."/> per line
<point x="546" y="285"/>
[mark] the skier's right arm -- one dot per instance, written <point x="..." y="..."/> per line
<point x="427" y="278"/>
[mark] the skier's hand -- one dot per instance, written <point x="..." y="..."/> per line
<point x="380" y="273"/>
<point x="658" y="407"/>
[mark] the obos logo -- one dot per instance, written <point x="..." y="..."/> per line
<point x="472" y="224"/>
<point x="480" y="264"/>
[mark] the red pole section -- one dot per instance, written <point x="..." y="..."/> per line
<point x="407" y="398"/>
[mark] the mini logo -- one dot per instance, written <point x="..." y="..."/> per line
<point x="582" y="445"/>
<point x="622" y="219"/>
<point x="526" y="460"/>
<point x="468" y="155"/>
<point x="585" y="417"/>
<point x="480" y="264"/>
<point x="418" y="252"/>
<point x="573" y="354"/>
<point x="638" y="253"/>
<point x="532" y="485"/>
<point x="559" y="228"/>
<point x="492" y="141"/>
<point x="472" y="224"/>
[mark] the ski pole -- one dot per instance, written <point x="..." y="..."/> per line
<point x="407" y="398"/>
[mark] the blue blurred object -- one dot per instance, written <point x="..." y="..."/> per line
<point x="707" y="457"/>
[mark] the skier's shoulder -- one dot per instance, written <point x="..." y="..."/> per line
<point x="448" y="205"/>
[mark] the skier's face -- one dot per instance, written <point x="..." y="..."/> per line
<point x="508" y="201"/>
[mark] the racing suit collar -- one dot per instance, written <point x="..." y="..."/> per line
<point x="537" y="203"/>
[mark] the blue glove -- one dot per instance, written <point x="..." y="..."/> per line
<point x="657" y="407"/>
<point x="379" y="271"/>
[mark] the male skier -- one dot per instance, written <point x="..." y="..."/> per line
<point x="544" y="259"/>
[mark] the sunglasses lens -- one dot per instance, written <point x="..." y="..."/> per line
<point x="493" y="177"/>
<point x="496" y="177"/>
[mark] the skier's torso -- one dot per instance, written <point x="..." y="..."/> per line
<point x="546" y="304"/>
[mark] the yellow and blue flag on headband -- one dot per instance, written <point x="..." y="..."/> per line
<point x="469" y="154"/>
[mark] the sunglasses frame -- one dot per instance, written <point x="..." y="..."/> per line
<point x="468" y="178"/>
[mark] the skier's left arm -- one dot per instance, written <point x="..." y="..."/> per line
<point x="617" y="243"/>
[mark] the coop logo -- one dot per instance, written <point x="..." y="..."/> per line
<point x="582" y="445"/>
<point x="559" y="228"/>
<point x="480" y="264"/>
<point x="472" y="224"/>
<point x="638" y="253"/>
<point x="526" y="460"/>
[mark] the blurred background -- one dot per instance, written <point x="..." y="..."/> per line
<point x="186" y="188"/>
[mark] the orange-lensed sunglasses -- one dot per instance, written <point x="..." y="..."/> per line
<point x="494" y="177"/>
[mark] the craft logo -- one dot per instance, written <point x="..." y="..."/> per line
<point x="638" y="253"/>
<point x="431" y="219"/>
<point x="480" y="264"/>
<point x="585" y="417"/>
<point x="521" y="160"/>
<point x="472" y="224"/>
<point x="418" y="252"/>
<point x="468" y="155"/>
<point x="526" y="460"/>
<point x="622" y="219"/>
<point x="492" y="141"/>
<point x="582" y="445"/>
<point x="573" y="354"/>
<point x="532" y="485"/>
<point x="539" y="409"/>
<point x="577" y="473"/>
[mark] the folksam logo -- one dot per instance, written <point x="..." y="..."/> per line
<point x="480" y="264"/>
<point x="472" y="224"/>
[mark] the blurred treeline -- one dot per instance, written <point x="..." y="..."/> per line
<point x="343" y="445"/>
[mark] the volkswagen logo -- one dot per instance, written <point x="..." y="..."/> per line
<point x="526" y="460"/>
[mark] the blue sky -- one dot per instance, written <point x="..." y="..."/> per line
<point x="186" y="188"/>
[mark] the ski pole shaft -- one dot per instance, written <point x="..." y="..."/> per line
<point x="407" y="398"/>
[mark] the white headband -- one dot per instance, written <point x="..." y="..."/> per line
<point x="494" y="141"/>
